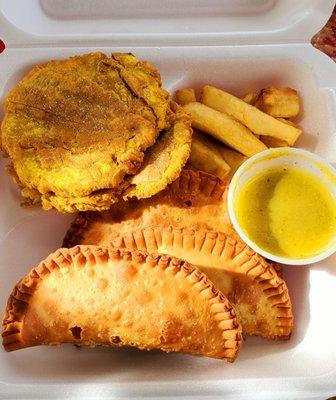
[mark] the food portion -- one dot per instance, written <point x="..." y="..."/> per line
<point x="163" y="161"/>
<point x="257" y="121"/>
<point x="195" y="200"/>
<point x="278" y="102"/>
<point x="224" y="128"/>
<point x="259" y="297"/>
<point x="288" y="212"/>
<point x="185" y="96"/>
<point x="206" y="156"/>
<point x="234" y="126"/>
<point x="77" y="130"/>
<point x="105" y="296"/>
<point x="153" y="261"/>
<point x="233" y="158"/>
<point x="273" y="142"/>
<point x="250" y="98"/>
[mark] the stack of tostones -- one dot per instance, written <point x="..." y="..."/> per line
<point x="84" y="132"/>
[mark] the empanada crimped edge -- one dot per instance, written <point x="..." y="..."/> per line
<point x="192" y="189"/>
<point x="198" y="185"/>
<point x="213" y="250"/>
<point x="225" y="337"/>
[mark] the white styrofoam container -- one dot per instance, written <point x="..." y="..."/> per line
<point x="239" y="45"/>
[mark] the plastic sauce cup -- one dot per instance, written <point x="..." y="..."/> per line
<point x="282" y="157"/>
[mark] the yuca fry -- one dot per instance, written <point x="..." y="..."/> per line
<point x="257" y="121"/>
<point x="250" y="98"/>
<point x="276" y="142"/>
<point x="232" y="157"/>
<point x="224" y="128"/>
<point x="279" y="102"/>
<point x="287" y="121"/>
<point x="273" y="142"/>
<point x="205" y="156"/>
<point x="185" y="96"/>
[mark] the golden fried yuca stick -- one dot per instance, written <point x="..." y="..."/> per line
<point x="250" y="98"/>
<point x="206" y="157"/>
<point x="185" y="96"/>
<point x="276" y="142"/>
<point x="232" y="157"/>
<point x="257" y="121"/>
<point x="273" y="142"/>
<point x="287" y="121"/>
<point x="279" y="102"/>
<point x="224" y="128"/>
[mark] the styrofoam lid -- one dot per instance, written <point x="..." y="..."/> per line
<point x="157" y="22"/>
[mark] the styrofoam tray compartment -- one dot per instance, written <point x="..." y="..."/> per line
<point x="303" y="367"/>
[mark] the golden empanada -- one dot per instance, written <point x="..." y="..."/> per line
<point x="258" y="295"/>
<point x="92" y="296"/>
<point x="195" y="200"/>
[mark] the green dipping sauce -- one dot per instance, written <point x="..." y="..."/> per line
<point x="288" y="212"/>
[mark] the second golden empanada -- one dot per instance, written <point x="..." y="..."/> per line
<point x="195" y="200"/>
<point x="259" y="296"/>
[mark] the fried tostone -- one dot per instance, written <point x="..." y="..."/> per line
<point x="75" y="128"/>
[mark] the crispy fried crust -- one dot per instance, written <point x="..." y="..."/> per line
<point x="164" y="160"/>
<point x="258" y="295"/>
<point x="195" y="200"/>
<point x="76" y="128"/>
<point x="99" y="296"/>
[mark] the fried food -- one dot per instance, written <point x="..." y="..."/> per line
<point x="259" y="297"/>
<point x="77" y="129"/>
<point x="278" y="102"/>
<point x="257" y="121"/>
<point x="185" y="96"/>
<point x="195" y="200"/>
<point x="233" y="158"/>
<point x="250" y="98"/>
<point x="224" y="128"/>
<point x="205" y="156"/>
<point x="273" y="142"/>
<point x="164" y="160"/>
<point x="99" y="296"/>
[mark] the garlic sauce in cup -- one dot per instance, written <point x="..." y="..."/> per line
<point x="282" y="202"/>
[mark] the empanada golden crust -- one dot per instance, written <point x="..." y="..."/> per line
<point x="194" y="200"/>
<point x="259" y="296"/>
<point x="92" y="296"/>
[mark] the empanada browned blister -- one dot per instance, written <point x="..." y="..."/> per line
<point x="194" y="200"/>
<point x="91" y="295"/>
<point x="259" y="296"/>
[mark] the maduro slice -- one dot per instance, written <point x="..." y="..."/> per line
<point x="98" y="296"/>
